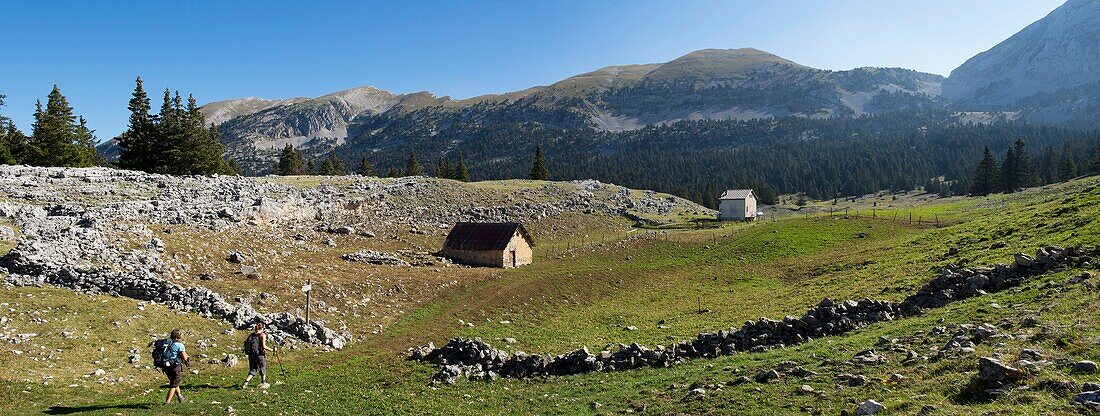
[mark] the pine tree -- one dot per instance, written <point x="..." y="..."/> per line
<point x="311" y="168"/>
<point x="1094" y="165"/>
<point x="443" y="169"/>
<point x="1024" y="174"/>
<point x="60" y="138"/>
<point x="291" y="162"/>
<point x="15" y="143"/>
<point x="1067" y="169"/>
<point x="198" y="151"/>
<point x="393" y="173"/>
<point x="7" y="131"/>
<point x="1008" y="171"/>
<point x="332" y="166"/>
<point x="538" y="168"/>
<point x="986" y="175"/>
<point x="134" y="144"/>
<point x="413" y="167"/>
<point x="365" y="167"/>
<point x="461" y="173"/>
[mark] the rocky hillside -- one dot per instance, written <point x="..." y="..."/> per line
<point x="237" y="248"/>
<point x="706" y="84"/>
<point x="1048" y="71"/>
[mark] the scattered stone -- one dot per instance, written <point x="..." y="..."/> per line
<point x="990" y="370"/>
<point x="230" y="360"/>
<point x="1084" y="367"/>
<point x="375" y="257"/>
<point x="869" y="407"/>
<point x="868" y="357"/>
<point x="767" y="376"/>
<point x="235" y="257"/>
<point x="857" y="381"/>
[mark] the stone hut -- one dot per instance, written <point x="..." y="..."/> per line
<point x="494" y="244"/>
<point x="737" y="205"/>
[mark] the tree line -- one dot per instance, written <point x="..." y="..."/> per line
<point x="822" y="159"/>
<point x="58" y="137"/>
<point x="177" y="140"/>
<point x="292" y="161"/>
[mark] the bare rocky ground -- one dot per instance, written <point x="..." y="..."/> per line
<point x="238" y="249"/>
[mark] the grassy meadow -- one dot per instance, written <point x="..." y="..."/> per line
<point x="585" y="290"/>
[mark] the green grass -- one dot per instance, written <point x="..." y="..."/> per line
<point x="584" y="297"/>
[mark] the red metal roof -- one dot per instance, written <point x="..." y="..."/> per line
<point x="483" y="236"/>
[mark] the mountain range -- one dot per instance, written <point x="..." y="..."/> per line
<point x="1048" y="73"/>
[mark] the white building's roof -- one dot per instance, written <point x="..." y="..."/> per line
<point x="737" y="194"/>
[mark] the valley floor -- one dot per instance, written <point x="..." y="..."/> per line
<point x="652" y="289"/>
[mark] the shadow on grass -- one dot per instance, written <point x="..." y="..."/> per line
<point x="65" y="410"/>
<point x="973" y="393"/>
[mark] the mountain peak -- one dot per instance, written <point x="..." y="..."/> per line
<point x="720" y="64"/>
<point x="1056" y="53"/>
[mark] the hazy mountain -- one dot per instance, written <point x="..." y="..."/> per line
<point x="1049" y="71"/>
<point x="706" y="84"/>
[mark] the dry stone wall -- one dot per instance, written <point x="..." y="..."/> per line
<point x="475" y="359"/>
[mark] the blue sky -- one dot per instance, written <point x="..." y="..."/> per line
<point x="277" y="49"/>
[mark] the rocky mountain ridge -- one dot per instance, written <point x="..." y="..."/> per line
<point x="1047" y="72"/>
<point x="707" y="84"/>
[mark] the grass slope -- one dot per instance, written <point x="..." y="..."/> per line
<point x="587" y="296"/>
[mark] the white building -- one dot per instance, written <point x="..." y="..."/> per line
<point x="737" y="205"/>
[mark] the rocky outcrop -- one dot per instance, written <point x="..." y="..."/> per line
<point x="478" y="360"/>
<point x="374" y="257"/>
<point x="91" y="229"/>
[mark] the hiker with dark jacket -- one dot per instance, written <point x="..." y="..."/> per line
<point x="255" y="347"/>
<point x="171" y="356"/>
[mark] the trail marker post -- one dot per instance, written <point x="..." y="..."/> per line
<point x="308" y="288"/>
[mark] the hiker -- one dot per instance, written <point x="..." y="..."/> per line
<point x="170" y="355"/>
<point x="255" y="347"/>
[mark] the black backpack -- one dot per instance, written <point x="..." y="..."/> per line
<point x="161" y="350"/>
<point x="252" y="346"/>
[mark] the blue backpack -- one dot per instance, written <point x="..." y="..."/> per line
<point x="162" y="350"/>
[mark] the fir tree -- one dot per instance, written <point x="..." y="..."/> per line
<point x="413" y="167"/>
<point x="311" y="168"/>
<point x="60" y="138"/>
<point x="135" y="143"/>
<point x="986" y="175"/>
<point x="1016" y="172"/>
<point x="291" y="162"/>
<point x="1094" y="165"/>
<point x="461" y="173"/>
<point x="365" y="167"/>
<point x="7" y="129"/>
<point x="393" y="173"/>
<point x="14" y="142"/>
<point x="198" y="151"/>
<point x="538" y="168"/>
<point x="332" y="166"/>
<point x="1067" y="169"/>
<point x="443" y="169"/>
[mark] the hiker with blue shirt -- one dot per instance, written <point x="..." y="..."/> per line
<point x="170" y="355"/>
